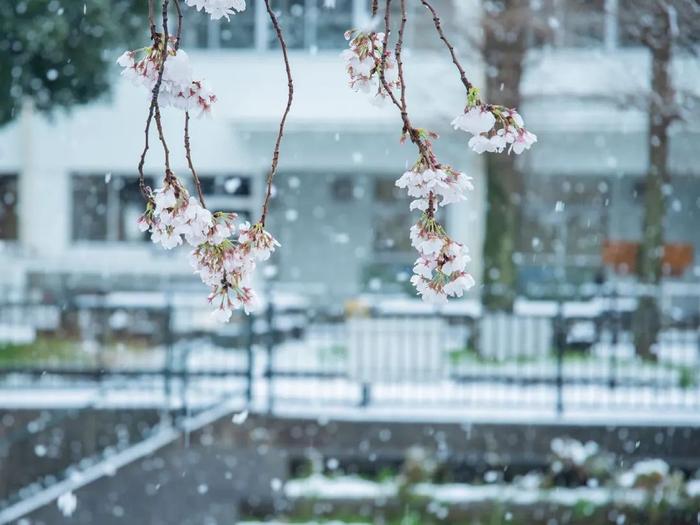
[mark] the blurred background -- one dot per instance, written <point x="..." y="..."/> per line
<point x="565" y="388"/>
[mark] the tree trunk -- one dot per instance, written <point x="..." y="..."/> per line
<point x="504" y="52"/>
<point x="650" y="264"/>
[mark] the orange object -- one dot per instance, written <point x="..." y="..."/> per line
<point x="622" y="257"/>
<point x="677" y="258"/>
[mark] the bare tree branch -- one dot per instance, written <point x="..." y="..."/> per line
<point x="158" y="41"/>
<point x="438" y="27"/>
<point x="290" y="98"/>
<point x="188" y="155"/>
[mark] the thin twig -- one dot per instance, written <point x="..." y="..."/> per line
<point x="438" y="26"/>
<point x="145" y="191"/>
<point x="154" y="101"/>
<point x="375" y="7"/>
<point x="188" y="148"/>
<point x="188" y="154"/>
<point x="408" y="129"/>
<point x="153" y="108"/>
<point x="178" y="36"/>
<point x="161" y="136"/>
<point x="382" y="63"/>
<point x="151" y="20"/>
<point x="290" y="97"/>
<point x="399" y="63"/>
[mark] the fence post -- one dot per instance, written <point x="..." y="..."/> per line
<point x="104" y="327"/>
<point x="250" y="372"/>
<point x="269" y="350"/>
<point x="559" y="344"/>
<point x="365" y="394"/>
<point x="615" y="339"/>
<point x="168" y="364"/>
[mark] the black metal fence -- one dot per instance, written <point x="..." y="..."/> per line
<point x="558" y="357"/>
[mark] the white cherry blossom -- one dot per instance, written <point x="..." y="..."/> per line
<point x="493" y="127"/>
<point x="363" y="63"/>
<point x="475" y="120"/>
<point x="67" y="503"/>
<point x="439" y="274"/>
<point x="218" y="9"/>
<point x="260" y="243"/>
<point x="523" y="140"/>
<point x="445" y="183"/>
<point x="178" y="86"/>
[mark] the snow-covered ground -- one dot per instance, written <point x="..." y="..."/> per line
<point x="341" y="398"/>
<point x="320" y="487"/>
<point x="384" y="364"/>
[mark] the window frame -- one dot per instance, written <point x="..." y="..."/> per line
<point x="263" y="33"/>
<point x="217" y="201"/>
<point x="14" y="207"/>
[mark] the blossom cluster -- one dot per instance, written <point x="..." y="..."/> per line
<point x="440" y="271"/>
<point x="223" y="261"/>
<point x="495" y="128"/>
<point x="178" y="87"/>
<point x="444" y="182"/>
<point x="363" y="63"/>
<point x="218" y="9"/>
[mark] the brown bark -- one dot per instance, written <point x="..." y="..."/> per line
<point x="504" y="51"/>
<point x="658" y="39"/>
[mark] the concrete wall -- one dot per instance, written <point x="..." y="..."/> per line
<point x="215" y="472"/>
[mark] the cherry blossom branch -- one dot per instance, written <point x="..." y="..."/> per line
<point x="154" y="109"/>
<point x="188" y="149"/>
<point x="154" y="101"/>
<point x="290" y="97"/>
<point x="382" y="67"/>
<point x="142" y="181"/>
<point x="438" y="26"/>
<point x="408" y="130"/>
<point x="151" y="20"/>
<point x="188" y="154"/>
<point x="440" y="270"/>
<point x="399" y="62"/>
<point x="225" y="254"/>
<point x="178" y="36"/>
<point x="161" y="136"/>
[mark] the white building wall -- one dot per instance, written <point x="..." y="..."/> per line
<point x="330" y="129"/>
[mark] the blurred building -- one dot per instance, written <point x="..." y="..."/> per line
<point x="70" y="199"/>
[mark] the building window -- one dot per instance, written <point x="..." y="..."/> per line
<point x="392" y="218"/>
<point x="390" y="266"/>
<point x="342" y="189"/>
<point x="9" y="227"/>
<point x="227" y="193"/>
<point x="583" y="23"/>
<point x="223" y="185"/>
<point x="307" y="25"/>
<point x="564" y="223"/>
<point x="311" y="26"/>
<point x="89" y="208"/>
<point x="332" y="24"/>
<point x="128" y="207"/>
<point x="200" y="31"/>
<point x="571" y="23"/>
<point x="239" y="34"/>
<point x="639" y="21"/>
<point x="106" y="208"/>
